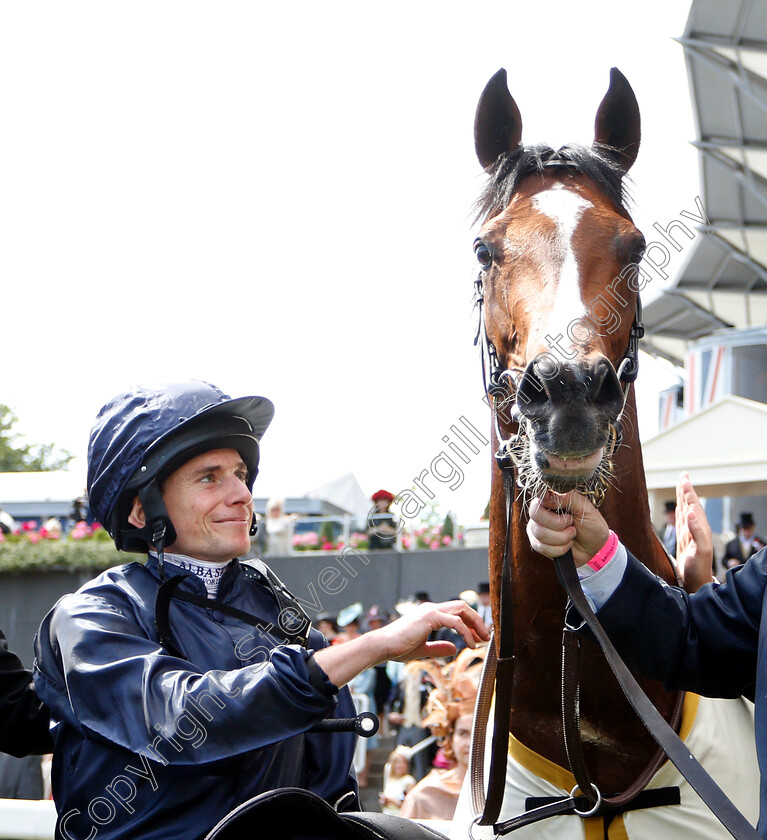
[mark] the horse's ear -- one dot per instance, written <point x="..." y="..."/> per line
<point x="497" y="123"/>
<point x="617" y="125"/>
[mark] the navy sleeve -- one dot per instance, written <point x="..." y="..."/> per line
<point x="706" y="642"/>
<point x="103" y="677"/>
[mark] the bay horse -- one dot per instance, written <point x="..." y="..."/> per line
<point x="560" y="322"/>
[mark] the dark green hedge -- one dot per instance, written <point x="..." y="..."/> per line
<point x="22" y="555"/>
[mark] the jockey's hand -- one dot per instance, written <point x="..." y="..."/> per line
<point x="404" y="639"/>
<point x="694" y="546"/>
<point x="562" y="521"/>
<point x="407" y="637"/>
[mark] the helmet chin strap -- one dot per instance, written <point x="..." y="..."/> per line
<point x="158" y="530"/>
<point x="160" y="527"/>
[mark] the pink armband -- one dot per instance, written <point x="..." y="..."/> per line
<point x="605" y="554"/>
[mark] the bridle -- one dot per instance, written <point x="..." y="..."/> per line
<point x="501" y="387"/>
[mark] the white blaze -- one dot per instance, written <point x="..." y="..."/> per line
<point x="564" y="207"/>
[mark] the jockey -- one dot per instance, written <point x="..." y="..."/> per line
<point x="711" y="642"/>
<point x="182" y="686"/>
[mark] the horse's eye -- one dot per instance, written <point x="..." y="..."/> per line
<point x="637" y="252"/>
<point x="483" y="253"/>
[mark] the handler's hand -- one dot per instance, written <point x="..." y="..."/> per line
<point x="562" y="521"/>
<point x="407" y="637"/>
<point x="694" y="545"/>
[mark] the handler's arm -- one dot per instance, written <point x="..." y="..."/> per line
<point x="705" y="642"/>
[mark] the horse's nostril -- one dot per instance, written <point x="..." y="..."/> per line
<point x="547" y="383"/>
<point x="606" y="388"/>
<point x="532" y="391"/>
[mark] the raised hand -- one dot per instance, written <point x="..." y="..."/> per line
<point x="694" y="547"/>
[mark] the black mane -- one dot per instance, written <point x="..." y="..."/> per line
<point x="506" y="173"/>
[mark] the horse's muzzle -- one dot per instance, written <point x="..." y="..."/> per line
<point x="568" y="408"/>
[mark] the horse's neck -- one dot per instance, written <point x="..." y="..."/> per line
<point x="538" y="614"/>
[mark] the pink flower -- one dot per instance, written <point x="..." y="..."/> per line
<point x="446" y="540"/>
<point x="80" y="530"/>
<point x="434" y="544"/>
<point x="33" y="537"/>
<point x="29" y="525"/>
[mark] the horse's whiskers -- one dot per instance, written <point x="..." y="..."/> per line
<point x="531" y="484"/>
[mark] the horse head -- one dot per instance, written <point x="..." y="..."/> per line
<point x="558" y="255"/>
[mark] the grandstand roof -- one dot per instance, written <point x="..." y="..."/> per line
<point x="724" y="282"/>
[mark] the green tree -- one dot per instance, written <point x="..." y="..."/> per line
<point x="326" y="532"/>
<point x="20" y="457"/>
<point x="448" y="527"/>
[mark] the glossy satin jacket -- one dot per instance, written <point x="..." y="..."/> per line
<point x="152" y="746"/>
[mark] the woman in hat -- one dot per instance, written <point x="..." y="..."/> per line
<point x="450" y="712"/>
<point x="382" y="526"/>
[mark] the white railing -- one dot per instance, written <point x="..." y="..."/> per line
<point x="349" y="526"/>
<point x="27" y="819"/>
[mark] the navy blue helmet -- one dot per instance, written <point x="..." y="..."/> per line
<point x="140" y="437"/>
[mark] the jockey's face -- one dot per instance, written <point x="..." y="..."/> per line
<point x="210" y="506"/>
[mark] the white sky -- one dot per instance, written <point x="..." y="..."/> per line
<point x="277" y="198"/>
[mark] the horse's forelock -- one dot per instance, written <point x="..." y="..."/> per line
<point x="511" y="167"/>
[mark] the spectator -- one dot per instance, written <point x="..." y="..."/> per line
<point x="326" y="624"/>
<point x="406" y="704"/>
<point x="668" y="533"/>
<point x="745" y="544"/>
<point x="374" y="620"/>
<point x="278" y="528"/>
<point x="348" y="622"/>
<point x="79" y="512"/>
<point x="450" y="712"/>
<point x="382" y="524"/>
<point x="397" y="782"/>
<point x="8" y="525"/>
<point x="484" y="608"/>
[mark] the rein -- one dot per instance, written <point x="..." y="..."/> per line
<point x="498" y="673"/>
